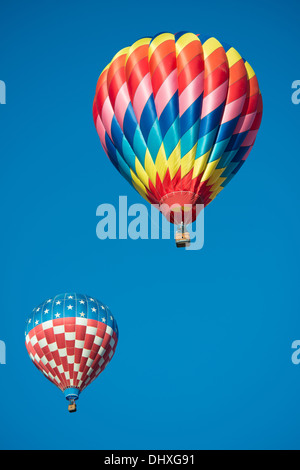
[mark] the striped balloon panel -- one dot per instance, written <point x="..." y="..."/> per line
<point x="175" y="115"/>
<point x="72" y="352"/>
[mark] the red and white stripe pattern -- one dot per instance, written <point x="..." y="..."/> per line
<point x="73" y="350"/>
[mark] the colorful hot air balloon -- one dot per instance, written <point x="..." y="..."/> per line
<point x="177" y="115"/>
<point x="71" y="338"/>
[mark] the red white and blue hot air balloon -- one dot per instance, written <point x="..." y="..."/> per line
<point x="177" y="115"/>
<point x="71" y="338"/>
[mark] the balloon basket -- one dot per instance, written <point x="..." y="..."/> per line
<point x="182" y="237"/>
<point x="72" y="406"/>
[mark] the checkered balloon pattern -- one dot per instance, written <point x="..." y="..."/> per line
<point x="71" y="338"/>
<point x="177" y="115"/>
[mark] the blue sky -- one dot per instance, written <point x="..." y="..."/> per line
<point x="204" y="353"/>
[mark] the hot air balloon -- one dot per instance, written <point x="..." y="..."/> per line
<point x="71" y="338"/>
<point x="177" y="115"/>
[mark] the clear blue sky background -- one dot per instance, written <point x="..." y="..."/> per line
<point x="204" y="354"/>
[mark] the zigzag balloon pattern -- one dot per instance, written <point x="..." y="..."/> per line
<point x="178" y="115"/>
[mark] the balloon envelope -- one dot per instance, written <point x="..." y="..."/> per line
<point x="177" y="116"/>
<point x="71" y="338"/>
